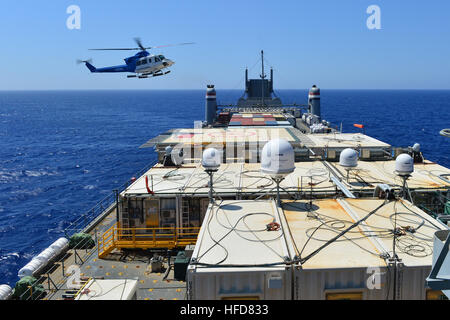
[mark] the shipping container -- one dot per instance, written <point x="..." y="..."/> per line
<point x="357" y="264"/>
<point x="237" y="257"/>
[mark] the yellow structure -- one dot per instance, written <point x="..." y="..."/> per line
<point x="117" y="237"/>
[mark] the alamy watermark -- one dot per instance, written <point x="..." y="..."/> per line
<point x="374" y="280"/>
<point x="74" y="278"/>
<point x="74" y="20"/>
<point x="374" y="20"/>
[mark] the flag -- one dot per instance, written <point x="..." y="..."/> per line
<point x="358" y="125"/>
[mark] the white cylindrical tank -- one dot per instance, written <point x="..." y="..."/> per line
<point x="404" y="165"/>
<point x="277" y="158"/>
<point x="60" y="245"/>
<point x="211" y="159"/>
<point x="348" y="158"/>
<point x="5" y="291"/>
<point x="45" y="255"/>
<point x="30" y="268"/>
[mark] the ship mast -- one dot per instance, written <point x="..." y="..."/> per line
<point x="263" y="76"/>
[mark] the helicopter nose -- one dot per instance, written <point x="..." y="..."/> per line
<point x="169" y="62"/>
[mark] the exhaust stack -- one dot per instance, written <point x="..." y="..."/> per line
<point x="211" y="104"/>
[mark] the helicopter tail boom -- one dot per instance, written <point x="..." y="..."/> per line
<point x="90" y="67"/>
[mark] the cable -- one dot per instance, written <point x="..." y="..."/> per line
<point x="336" y="225"/>
<point x="303" y="260"/>
<point x="233" y="228"/>
<point x="417" y="214"/>
<point x="254" y="231"/>
<point x="101" y="294"/>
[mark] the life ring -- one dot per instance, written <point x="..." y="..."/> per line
<point x="273" y="226"/>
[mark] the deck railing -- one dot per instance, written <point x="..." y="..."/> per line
<point x="52" y="283"/>
<point x="85" y="219"/>
<point x="145" y="238"/>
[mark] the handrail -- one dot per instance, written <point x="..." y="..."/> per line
<point x="90" y="215"/>
<point x="146" y="237"/>
<point x="79" y="225"/>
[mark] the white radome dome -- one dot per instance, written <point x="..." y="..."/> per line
<point x="404" y="164"/>
<point x="277" y="158"/>
<point x="348" y="158"/>
<point x="211" y="159"/>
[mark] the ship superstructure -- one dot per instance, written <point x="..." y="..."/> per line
<point x="340" y="231"/>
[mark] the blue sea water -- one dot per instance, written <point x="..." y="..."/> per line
<point x="62" y="151"/>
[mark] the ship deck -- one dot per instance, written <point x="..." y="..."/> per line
<point x="314" y="177"/>
<point x="130" y="264"/>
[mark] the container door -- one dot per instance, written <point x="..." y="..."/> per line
<point x="152" y="213"/>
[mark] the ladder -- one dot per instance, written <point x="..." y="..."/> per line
<point x="125" y="223"/>
<point x="185" y="213"/>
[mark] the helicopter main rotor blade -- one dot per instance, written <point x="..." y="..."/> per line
<point x="117" y="49"/>
<point x="141" y="47"/>
<point x="172" y="45"/>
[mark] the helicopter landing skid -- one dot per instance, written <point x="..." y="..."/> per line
<point x="147" y="75"/>
<point x="161" y="74"/>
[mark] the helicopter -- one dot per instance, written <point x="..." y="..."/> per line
<point x="143" y="64"/>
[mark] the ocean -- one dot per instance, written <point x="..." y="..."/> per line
<point x="62" y="151"/>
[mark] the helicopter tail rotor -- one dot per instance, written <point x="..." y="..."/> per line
<point x="88" y="64"/>
<point x="84" y="61"/>
<point x="139" y="43"/>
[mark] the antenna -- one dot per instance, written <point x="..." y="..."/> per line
<point x="404" y="167"/>
<point x="211" y="163"/>
<point x="348" y="159"/>
<point x="263" y="76"/>
<point x="277" y="161"/>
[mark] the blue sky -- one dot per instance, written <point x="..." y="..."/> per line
<point x="321" y="42"/>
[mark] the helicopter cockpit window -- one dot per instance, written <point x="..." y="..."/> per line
<point x="157" y="59"/>
<point x="161" y="57"/>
